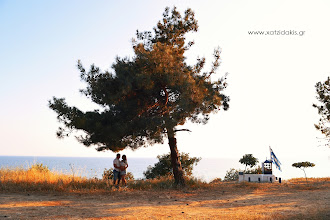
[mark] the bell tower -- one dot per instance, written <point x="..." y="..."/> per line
<point x="267" y="167"/>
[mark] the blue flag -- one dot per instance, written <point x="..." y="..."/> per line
<point x="275" y="160"/>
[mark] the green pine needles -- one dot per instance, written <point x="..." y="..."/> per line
<point x="147" y="96"/>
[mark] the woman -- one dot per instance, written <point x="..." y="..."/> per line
<point x="123" y="167"/>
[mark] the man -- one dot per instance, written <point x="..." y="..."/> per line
<point x="116" y="170"/>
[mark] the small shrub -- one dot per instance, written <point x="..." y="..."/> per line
<point x="163" y="167"/>
<point x="108" y="175"/>
<point x="216" y="180"/>
<point x="231" y="175"/>
<point x="257" y="170"/>
<point x="195" y="183"/>
<point x="39" y="167"/>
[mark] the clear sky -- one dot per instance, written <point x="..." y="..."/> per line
<point x="271" y="77"/>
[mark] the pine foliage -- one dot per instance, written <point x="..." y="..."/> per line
<point x="146" y="96"/>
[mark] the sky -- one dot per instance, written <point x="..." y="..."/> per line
<point x="271" y="78"/>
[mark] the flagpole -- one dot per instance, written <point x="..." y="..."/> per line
<point x="271" y="160"/>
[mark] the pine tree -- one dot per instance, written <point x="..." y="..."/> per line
<point x="323" y="107"/>
<point x="149" y="95"/>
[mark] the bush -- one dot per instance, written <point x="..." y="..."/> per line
<point x="163" y="166"/>
<point x="108" y="174"/>
<point x="216" y="180"/>
<point x="232" y="175"/>
<point x="39" y="167"/>
<point x="257" y="170"/>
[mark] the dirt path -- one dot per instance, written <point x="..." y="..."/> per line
<point x="220" y="202"/>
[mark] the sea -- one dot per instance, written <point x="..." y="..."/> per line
<point x="207" y="169"/>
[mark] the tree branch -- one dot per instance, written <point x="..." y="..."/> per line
<point x="182" y="130"/>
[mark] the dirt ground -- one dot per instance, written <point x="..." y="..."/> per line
<point x="231" y="201"/>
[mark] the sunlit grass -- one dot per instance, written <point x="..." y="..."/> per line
<point x="166" y="183"/>
<point x="309" y="180"/>
<point x="39" y="178"/>
<point x="161" y="198"/>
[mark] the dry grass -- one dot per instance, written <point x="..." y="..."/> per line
<point x="34" y="179"/>
<point x="40" y="178"/>
<point x="43" y="194"/>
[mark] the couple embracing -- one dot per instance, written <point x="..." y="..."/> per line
<point x="119" y="171"/>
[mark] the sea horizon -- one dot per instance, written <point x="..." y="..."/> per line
<point x="207" y="169"/>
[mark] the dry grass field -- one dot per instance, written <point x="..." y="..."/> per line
<point x="34" y="194"/>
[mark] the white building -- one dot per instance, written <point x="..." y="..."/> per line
<point x="260" y="178"/>
<point x="266" y="176"/>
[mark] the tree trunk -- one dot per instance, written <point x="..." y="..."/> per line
<point x="176" y="163"/>
<point x="305" y="175"/>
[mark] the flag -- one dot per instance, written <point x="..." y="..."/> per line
<point x="274" y="159"/>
